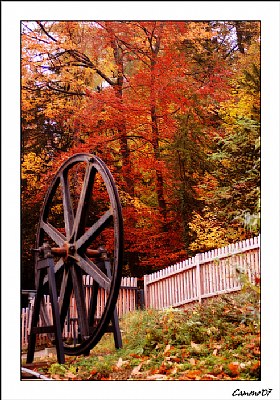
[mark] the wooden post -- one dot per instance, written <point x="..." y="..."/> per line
<point x="45" y="263"/>
<point x="146" y="302"/>
<point x="114" y="320"/>
<point x="198" y="281"/>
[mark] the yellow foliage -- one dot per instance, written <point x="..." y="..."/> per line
<point x="244" y="101"/>
<point x="31" y="170"/>
<point x="31" y="162"/>
<point x="210" y="232"/>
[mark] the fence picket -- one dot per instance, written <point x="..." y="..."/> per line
<point x="126" y="302"/>
<point x="205" y="275"/>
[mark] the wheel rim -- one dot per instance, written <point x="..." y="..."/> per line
<point x="81" y="216"/>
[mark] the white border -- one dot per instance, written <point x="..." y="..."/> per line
<point x="12" y="13"/>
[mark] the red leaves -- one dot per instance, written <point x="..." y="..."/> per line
<point x="234" y="368"/>
<point x="257" y="280"/>
<point x="194" y="374"/>
<point x="93" y="371"/>
<point x="255" y="369"/>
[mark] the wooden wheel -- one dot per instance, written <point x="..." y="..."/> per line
<point x="82" y="221"/>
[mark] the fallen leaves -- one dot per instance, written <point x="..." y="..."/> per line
<point x="93" y="371"/>
<point x="196" y="347"/>
<point x="156" y="377"/>
<point x="183" y="352"/>
<point x="70" y="375"/>
<point x="167" y="349"/>
<point x="234" y="368"/>
<point x="194" y="374"/>
<point x="211" y="330"/>
<point x="136" y="369"/>
<point x="217" y="347"/>
<point x="192" y="361"/>
<point x="56" y="377"/>
<point x="255" y="370"/>
<point x="120" y="363"/>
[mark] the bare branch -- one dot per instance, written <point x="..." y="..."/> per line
<point x="46" y="33"/>
<point x="66" y="91"/>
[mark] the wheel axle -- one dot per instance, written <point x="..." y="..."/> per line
<point x="68" y="251"/>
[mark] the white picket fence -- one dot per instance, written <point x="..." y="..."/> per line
<point x="205" y="275"/>
<point x="127" y="301"/>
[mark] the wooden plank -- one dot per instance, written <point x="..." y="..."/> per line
<point x="151" y="295"/>
<point x="174" y="288"/>
<point x="129" y="304"/>
<point x="156" y="306"/>
<point x="210" y="268"/>
<point x="215" y="276"/>
<point x="181" y="283"/>
<point x="124" y="296"/>
<point x="160" y="292"/>
<point x="163" y="287"/>
<point x="23" y="326"/>
<point x="146" y="288"/>
<point x="175" y="281"/>
<point x="188" y="276"/>
<point x="166" y="286"/>
<point x="206" y="277"/>
<point x="198" y="280"/>
<point x="168" y="273"/>
<point x="185" y="285"/>
<point x="193" y="284"/>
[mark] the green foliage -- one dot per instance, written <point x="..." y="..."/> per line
<point x="238" y="152"/>
<point x="216" y="340"/>
<point x="58" y="369"/>
<point x="188" y="161"/>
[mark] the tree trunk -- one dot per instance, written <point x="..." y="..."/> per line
<point x="159" y="177"/>
<point x="239" y="35"/>
<point x="125" y="152"/>
<point x="155" y="143"/>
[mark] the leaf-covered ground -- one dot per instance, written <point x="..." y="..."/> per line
<point x="217" y="340"/>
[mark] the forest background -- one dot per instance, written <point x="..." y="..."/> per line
<point x="172" y="107"/>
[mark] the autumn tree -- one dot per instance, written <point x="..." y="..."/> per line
<point x="207" y="77"/>
<point x="233" y="206"/>
<point x="155" y="100"/>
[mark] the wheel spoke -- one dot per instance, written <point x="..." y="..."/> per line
<point x="53" y="233"/>
<point x="79" y="293"/>
<point x="57" y="267"/>
<point x="64" y="295"/>
<point x="67" y="205"/>
<point x="84" y="200"/>
<point x="87" y="238"/>
<point x="92" y="269"/>
<point x="93" y="303"/>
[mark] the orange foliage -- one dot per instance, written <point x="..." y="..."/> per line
<point x="116" y="88"/>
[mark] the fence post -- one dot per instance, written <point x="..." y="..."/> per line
<point x="146" y="278"/>
<point x="140" y="302"/>
<point x="198" y="281"/>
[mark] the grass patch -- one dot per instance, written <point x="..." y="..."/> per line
<point x="217" y="340"/>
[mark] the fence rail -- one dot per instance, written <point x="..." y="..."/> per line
<point x="127" y="301"/>
<point x="205" y="275"/>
